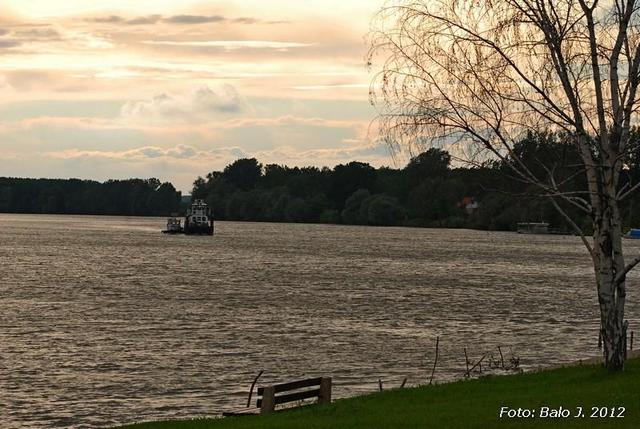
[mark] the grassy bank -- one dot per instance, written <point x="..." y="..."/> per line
<point x="464" y="404"/>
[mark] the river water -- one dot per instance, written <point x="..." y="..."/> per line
<point x="104" y="320"/>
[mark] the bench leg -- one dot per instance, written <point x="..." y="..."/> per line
<point x="268" y="400"/>
<point x="325" y="391"/>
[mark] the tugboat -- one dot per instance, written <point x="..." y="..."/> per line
<point x="197" y="221"/>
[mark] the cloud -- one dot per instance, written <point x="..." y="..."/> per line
<point x="246" y="20"/>
<point x="194" y="19"/>
<point x="178" y="152"/>
<point x="179" y="148"/>
<point x="91" y="41"/>
<point x="282" y="154"/>
<point x="144" y="20"/>
<point x="3" y="32"/>
<point x="26" y="80"/>
<point x="231" y="44"/>
<point x="201" y="105"/>
<point x="180" y="163"/>
<point x="175" y="19"/>
<point x="111" y="19"/>
<point x="207" y="128"/>
<point x="332" y="86"/>
<point x="49" y="40"/>
<point x="9" y="43"/>
<point x="146" y="152"/>
<point x="116" y="19"/>
<point x="367" y="151"/>
<point x="288" y="121"/>
<point x="38" y="34"/>
<point x="66" y="122"/>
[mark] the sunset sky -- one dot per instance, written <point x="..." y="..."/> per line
<point x="177" y="88"/>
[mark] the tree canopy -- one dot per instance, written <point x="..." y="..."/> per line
<point x="133" y="197"/>
<point x="481" y="76"/>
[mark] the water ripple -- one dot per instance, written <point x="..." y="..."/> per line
<point x="106" y="321"/>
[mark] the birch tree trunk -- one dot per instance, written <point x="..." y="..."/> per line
<point x="609" y="261"/>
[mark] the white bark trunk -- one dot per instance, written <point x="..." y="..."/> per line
<point x="611" y="291"/>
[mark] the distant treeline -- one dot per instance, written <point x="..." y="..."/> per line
<point x="427" y="192"/>
<point x="133" y="197"/>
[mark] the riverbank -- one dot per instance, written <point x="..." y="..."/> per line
<point x="466" y="404"/>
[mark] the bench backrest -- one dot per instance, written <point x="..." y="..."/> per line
<point x="270" y="396"/>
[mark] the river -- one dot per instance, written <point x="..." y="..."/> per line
<point x="106" y="321"/>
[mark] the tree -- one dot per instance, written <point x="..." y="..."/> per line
<point x="384" y="210"/>
<point x="275" y="175"/>
<point x="346" y="179"/>
<point x="353" y="205"/>
<point x="73" y="196"/>
<point x="244" y="173"/>
<point x="152" y="183"/>
<point x="199" y="190"/>
<point x="432" y="200"/>
<point x="479" y="76"/>
<point x="164" y="200"/>
<point x="297" y="211"/>
<point x="434" y="163"/>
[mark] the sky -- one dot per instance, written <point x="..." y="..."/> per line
<point x="175" y="89"/>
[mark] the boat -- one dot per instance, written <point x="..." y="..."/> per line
<point x="198" y="220"/>
<point x="174" y="225"/>
<point x="633" y="233"/>
<point x="541" y="228"/>
<point x="533" y="228"/>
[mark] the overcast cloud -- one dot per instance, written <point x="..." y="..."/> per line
<point x="176" y="89"/>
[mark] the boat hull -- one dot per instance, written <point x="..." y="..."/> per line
<point x="198" y="230"/>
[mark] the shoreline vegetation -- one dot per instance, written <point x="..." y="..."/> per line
<point x="428" y="192"/>
<point x="475" y="403"/>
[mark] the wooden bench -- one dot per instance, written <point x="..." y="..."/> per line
<point x="271" y="396"/>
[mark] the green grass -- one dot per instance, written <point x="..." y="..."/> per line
<point x="465" y="404"/>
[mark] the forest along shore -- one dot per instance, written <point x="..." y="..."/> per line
<point x="428" y="192"/>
